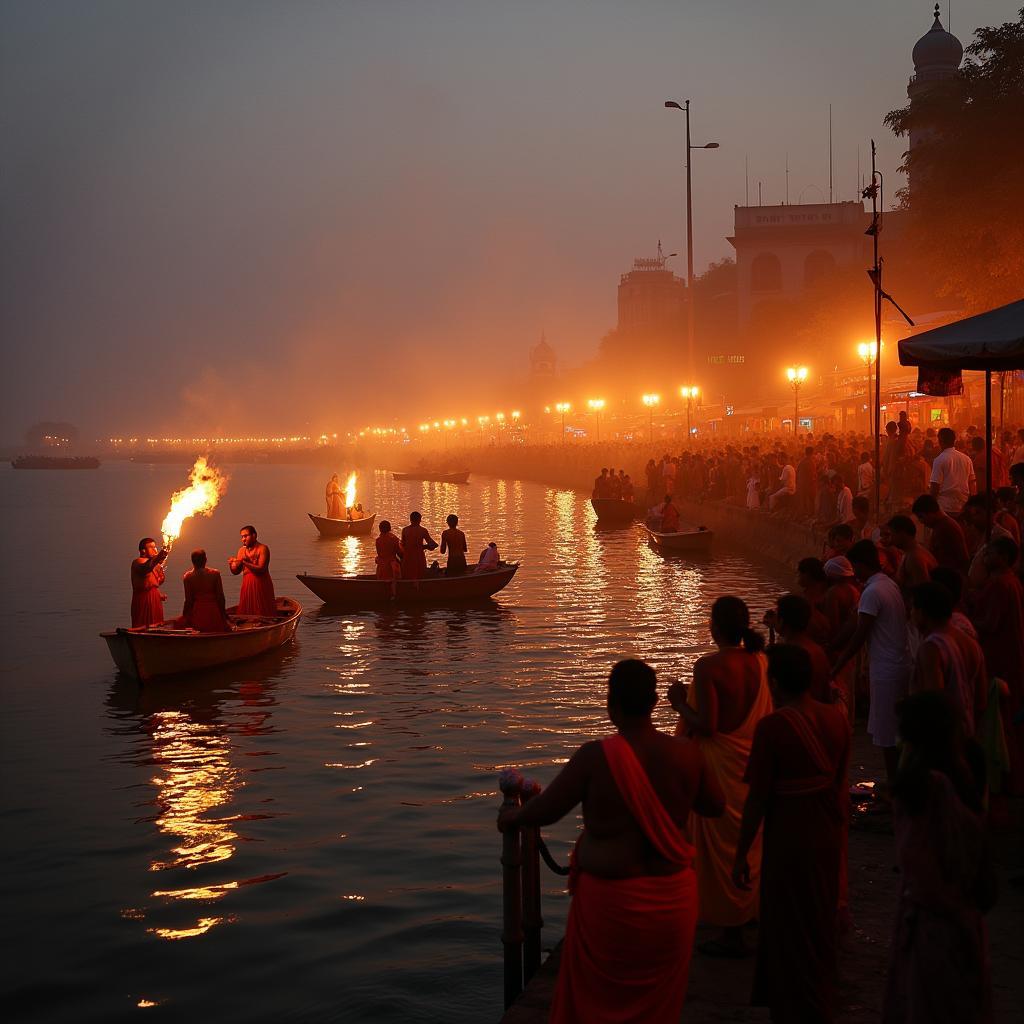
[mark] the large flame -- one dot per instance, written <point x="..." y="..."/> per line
<point x="206" y="485"/>
<point x="350" y="490"/>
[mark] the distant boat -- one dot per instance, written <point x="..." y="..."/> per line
<point x="682" y="542"/>
<point x="367" y="591"/>
<point x="167" y="649"/>
<point x="434" y="478"/>
<point x="612" y="511"/>
<point x="343" y="527"/>
<point x="55" y="462"/>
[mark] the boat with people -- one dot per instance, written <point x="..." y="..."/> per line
<point x="681" y="542"/>
<point x="426" y="476"/>
<point x="55" y="462"/>
<point x="169" y="649"/>
<point x="614" y="511"/>
<point x="356" y="527"/>
<point x="367" y="591"/>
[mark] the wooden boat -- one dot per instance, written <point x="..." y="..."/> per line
<point x="434" y="478"/>
<point x="612" y="511"/>
<point x="167" y="649"/>
<point x="684" y="542"/>
<point x="367" y="591"/>
<point x="53" y="462"/>
<point x="343" y="527"/>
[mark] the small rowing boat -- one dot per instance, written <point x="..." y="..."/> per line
<point x="613" y="512"/>
<point x="167" y="649"/>
<point x="433" y="478"/>
<point x="367" y="591"/>
<point x="343" y="527"/>
<point x="682" y="542"/>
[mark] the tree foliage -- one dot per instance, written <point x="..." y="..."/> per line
<point x="966" y="175"/>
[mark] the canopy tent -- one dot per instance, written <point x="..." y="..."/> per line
<point x="992" y="341"/>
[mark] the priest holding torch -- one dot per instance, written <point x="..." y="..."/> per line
<point x="147" y="576"/>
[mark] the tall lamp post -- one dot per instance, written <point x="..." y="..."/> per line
<point x="690" y="393"/>
<point x="597" y="404"/>
<point x="651" y="401"/>
<point x="797" y="375"/>
<point x="562" y="408"/>
<point x="685" y="108"/>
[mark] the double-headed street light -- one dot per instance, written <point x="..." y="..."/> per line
<point x="562" y="408"/>
<point x="690" y="393"/>
<point x="796" y="376"/>
<point x="596" y="405"/>
<point x="685" y="108"/>
<point x="650" y="401"/>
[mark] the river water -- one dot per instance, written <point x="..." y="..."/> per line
<point x="309" y="836"/>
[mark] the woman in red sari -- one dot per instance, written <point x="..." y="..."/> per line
<point x="253" y="561"/>
<point x="797" y="779"/>
<point x="205" y="608"/>
<point x="629" y="937"/>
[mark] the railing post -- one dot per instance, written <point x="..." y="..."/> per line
<point x="532" y="920"/>
<point x="512" y="902"/>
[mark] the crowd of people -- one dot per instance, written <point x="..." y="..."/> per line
<point x="914" y="616"/>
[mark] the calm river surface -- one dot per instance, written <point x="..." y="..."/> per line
<point x="309" y="836"/>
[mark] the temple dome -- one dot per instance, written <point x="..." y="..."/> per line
<point x="937" y="49"/>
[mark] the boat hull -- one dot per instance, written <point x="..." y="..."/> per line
<point x="342" y="527"/>
<point x="370" y="592"/>
<point x="166" y="650"/>
<point x="613" y="512"/>
<point x="433" y="478"/>
<point x="685" y="542"/>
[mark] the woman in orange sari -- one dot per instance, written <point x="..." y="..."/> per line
<point x="729" y="696"/>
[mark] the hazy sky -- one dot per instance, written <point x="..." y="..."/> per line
<point x="288" y="215"/>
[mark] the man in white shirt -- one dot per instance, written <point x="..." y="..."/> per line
<point x="953" y="480"/>
<point x="882" y="625"/>
<point x="865" y="476"/>
<point x="844" y="499"/>
<point x="787" y="484"/>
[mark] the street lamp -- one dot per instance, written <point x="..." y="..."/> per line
<point x="690" y="393"/>
<point x="562" y="408"/>
<point x="866" y="351"/>
<point x="651" y="401"/>
<point x="796" y="375"/>
<point x="597" y="404"/>
<point x="689" y="225"/>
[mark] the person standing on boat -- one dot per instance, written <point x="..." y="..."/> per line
<point x="669" y="516"/>
<point x="335" y="501"/>
<point x="389" y="555"/>
<point x="205" y="608"/>
<point x="454" y="544"/>
<point x="253" y="562"/>
<point x="415" y="541"/>
<point x="147" y="575"/>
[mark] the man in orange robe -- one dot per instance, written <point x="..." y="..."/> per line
<point x="205" y="608"/>
<point x="253" y="562"/>
<point x="630" y="932"/>
<point x="415" y="541"/>
<point x="147" y="574"/>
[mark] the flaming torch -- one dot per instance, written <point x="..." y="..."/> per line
<point x="205" y="487"/>
<point x="350" y="491"/>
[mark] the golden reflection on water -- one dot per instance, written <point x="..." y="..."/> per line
<point x="197" y="777"/>
<point x="350" y="552"/>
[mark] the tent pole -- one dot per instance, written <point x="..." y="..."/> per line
<point x="988" y="456"/>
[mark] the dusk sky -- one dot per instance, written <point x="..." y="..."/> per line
<point x="300" y="216"/>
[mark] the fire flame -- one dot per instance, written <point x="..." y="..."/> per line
<point x="350" y="490"/>
<point x="206" y="485"/>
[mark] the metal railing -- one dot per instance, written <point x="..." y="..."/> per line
<point x="522" y="921"/>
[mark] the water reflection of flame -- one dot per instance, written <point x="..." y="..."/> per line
<point x="197" y="776"/>
<point x="350" y="554"/>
